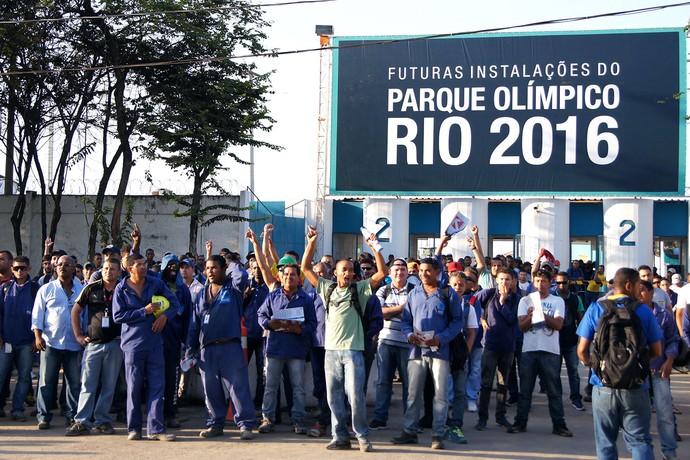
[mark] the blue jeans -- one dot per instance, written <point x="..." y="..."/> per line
<point x="664" y="414"/>
<point x="345" y="377"/>
<point x="629" y="410"/>
<point x="569" y="355"/>
<point x="389" y="358"/>
<point x="100" y="366"/>
<point x="51" y="360"/>
<point x="548" y="367"/>
<point x="459" y="379"/>
<point x="474" y="378"/>
<point x="416" y="371"/>
<point x="22" y="357"/>
<point x="274" y="370"/>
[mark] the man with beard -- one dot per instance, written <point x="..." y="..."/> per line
<point x="174" y="335"/>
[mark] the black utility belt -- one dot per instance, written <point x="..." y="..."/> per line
<point x="221" y="341"/>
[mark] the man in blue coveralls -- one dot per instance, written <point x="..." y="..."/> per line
<point x="142" y="344"/>
<point x="216" y="331"/>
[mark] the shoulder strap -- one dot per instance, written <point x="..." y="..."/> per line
<point x="446" y="300"/>
<point x="387" y="291"/>
<point x="354" y="298"/>
<point x="409" y="287"/>
<point x="329" y="292"/>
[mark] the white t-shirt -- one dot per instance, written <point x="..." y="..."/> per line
<point x="471" y="320"/>
<point x="540" y="337"/>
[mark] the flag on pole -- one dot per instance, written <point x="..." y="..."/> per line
<point x="458" y="224"/>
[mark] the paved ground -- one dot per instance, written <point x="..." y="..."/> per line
<point x="23" y="440"/>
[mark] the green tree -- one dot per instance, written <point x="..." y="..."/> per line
<point x="197" y="112"/>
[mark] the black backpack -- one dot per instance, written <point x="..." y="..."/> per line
<point x="620" y="355"/>
<point x="459" y="353"/>
<point x="365" y="317"/>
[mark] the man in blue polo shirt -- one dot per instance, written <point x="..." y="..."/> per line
<point x="289" y="317"/>
<point x="142" y="344"/>
<point x="612" y="408"/>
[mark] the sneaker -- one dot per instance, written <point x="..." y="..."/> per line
<point x="339" y="445"/>
<point x="18" y="416"/>
<point x="43" y="425"/>
<point x="172" y="423"/>
<point x="105" y="428"/>
<point x="437" y="443"/>
<point x="77" y="429"/>
<point x="246" y="435"/>
<point x="562" y="431"/>
<point x="211" y="432"/>
<point x="513" y="400"/>
<point x="405" y="438"/>
<point x="266" y="426"/>
<point x="377" y="425"/>
<point x="364" y="445"/>
<point x="587" y="398"/>
<point x="517" y="427"/>
<point x="454" y="434"/>
<point x="69" y="422"/>
<point x="317" y="430"/>
<point x="134" y="436"/>
<point x="162" y="437"/>
<point x="481" y="425"/>
<point x="299" y="428"/>
<point x="577" y="404"/>
<point x="472" y="406"/>
<point x="503" y="422"/>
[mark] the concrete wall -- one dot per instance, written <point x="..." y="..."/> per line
<point x="161" y="231"/>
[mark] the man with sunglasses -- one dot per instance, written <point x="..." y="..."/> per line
<point x="567" y="336"/>
<point x="51" y="322"/>
<point x="16" y="339"/>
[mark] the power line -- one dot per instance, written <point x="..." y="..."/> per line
<point x="208" y="60"/>
<point x="155" y="13"/>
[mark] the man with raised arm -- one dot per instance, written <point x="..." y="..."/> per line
<point x="344" y="342"/>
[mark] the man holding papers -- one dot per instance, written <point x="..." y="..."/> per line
<point x="540" y="317"/>
<point x="289" y="317"/>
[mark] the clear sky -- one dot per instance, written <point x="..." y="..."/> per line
<point x="289" y="175"/>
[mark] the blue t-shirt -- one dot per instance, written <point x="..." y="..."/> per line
<point x="588" y="326"/>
